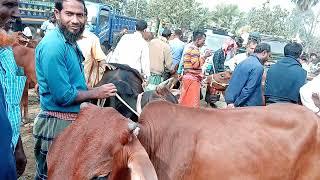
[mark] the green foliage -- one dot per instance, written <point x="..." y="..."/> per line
<point x="138" y="8"/>
<point x="228" y="16"/>
<point x="269" y="20"/>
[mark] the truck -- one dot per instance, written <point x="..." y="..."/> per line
<point x="103" y="20"/>
<point x="106" y="23"/>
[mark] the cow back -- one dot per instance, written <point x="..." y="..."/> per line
<point x="274" y="142"/>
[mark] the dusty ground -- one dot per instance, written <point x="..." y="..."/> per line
<point x="26" y="134"/>
<point x="27" y="139"/>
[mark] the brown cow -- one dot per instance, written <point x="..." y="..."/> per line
<point x="94" y="145"/>
<point x="279" y="142"/>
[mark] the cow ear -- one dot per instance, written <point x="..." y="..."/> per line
<point x="125" y="137"/>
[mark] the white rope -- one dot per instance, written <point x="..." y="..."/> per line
<point x="139" y="108"/>
<point x="101" y="103"/>
<point x="120" y="99"/>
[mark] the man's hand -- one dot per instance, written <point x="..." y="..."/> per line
<point x="21" y="159"/>
<point x="230" y="106"/>
<point x="207" y="54"/>
<point x="105" y="91"/>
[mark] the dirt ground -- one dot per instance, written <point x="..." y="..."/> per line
<point x="26" y="134"/>
<point x="27" y="139"/>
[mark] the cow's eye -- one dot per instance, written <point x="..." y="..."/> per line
<point x="222" y="75"/>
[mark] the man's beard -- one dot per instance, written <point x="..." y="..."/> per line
<point x="71" y="37"/>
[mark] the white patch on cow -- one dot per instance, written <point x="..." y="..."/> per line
<point x="136" y="131"/>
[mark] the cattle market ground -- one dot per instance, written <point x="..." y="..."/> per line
<point x="27" y="139"/>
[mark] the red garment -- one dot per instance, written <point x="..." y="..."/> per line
<point x="190" y="92"/>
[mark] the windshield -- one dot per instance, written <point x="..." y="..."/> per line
<point x="92" y="11"/>
<point x="215" y="41"/>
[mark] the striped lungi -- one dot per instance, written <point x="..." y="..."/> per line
<point x="45" y="129"/>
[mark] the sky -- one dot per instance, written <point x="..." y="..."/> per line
<point x="246" y="5"/>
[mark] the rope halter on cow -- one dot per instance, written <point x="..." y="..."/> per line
<point x="213" y="81"/>
<point x="101" y="103"/>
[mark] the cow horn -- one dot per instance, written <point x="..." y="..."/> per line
<point x="132" y="125"/>
<point x="84" y="105"/>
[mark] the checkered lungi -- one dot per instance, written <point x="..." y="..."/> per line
<point x="45" y="129"/>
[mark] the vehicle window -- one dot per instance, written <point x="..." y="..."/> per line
<point x="215" y="41"/>
<point x="276" y="47"/>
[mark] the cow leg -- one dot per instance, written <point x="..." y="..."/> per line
<point x="24" y="103"/>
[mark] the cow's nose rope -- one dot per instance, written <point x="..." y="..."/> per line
<point x="126" y="104"/>
<point x="101" y="103"/>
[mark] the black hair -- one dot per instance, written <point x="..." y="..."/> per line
<point x="293" y="49"/>
<point x="166" y="33"/>
<point x="198" y="34"/>
<point x="85" y="11"/>
<point x="141" y="25"/>
<point x="178" y="32"/>
<point x="18" y="26"/>
<point x="58" y="4"/>
<point x="262" y="47"/>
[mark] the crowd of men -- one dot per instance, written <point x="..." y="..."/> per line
<point x="70" y="63"/>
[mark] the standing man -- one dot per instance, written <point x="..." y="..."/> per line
<point x="160" y="60"/>
<point x="48" y="25"/>
<point x="221" y="54"/>
<point x="286" y="77"/>
<point x="8" y="11"/>
<point x="245" y="86"/>
<point x="237" y="59"/>
<point x="12" y="85"/>
<point x="192" y="64"/>
<point x="177" y="47"/>
<point x="133" y="50"/>
<point x="94" y="57"/>
<point x="60" y="74"/>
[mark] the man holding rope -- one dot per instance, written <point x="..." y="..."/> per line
<point x="62" y="84"/>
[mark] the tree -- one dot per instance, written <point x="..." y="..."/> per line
<point x="269" y="20"/>
<point x="228" y="16"/>
<point x="138" y="9"/>
<point x="181" y="13"/>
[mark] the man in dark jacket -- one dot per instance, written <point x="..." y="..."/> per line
<point x="286" y="77"/>
<point x="245" y="88"/>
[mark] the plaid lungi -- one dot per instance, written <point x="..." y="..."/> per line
<point x="154" y="81"/>
<point x="45" y="129"/>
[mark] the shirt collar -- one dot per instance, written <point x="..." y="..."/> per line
<point x="138" y="34"/>
<point x="296" y="60"/>
<point x="163" y="39"/>
<point x="60" y="34"/>
<point x="256" y="57"/>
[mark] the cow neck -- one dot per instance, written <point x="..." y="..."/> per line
<point x="153" y="129"/>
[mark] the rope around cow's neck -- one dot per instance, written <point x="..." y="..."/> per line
<point x="101" y="103"/>
<point x="216" y="82"/>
